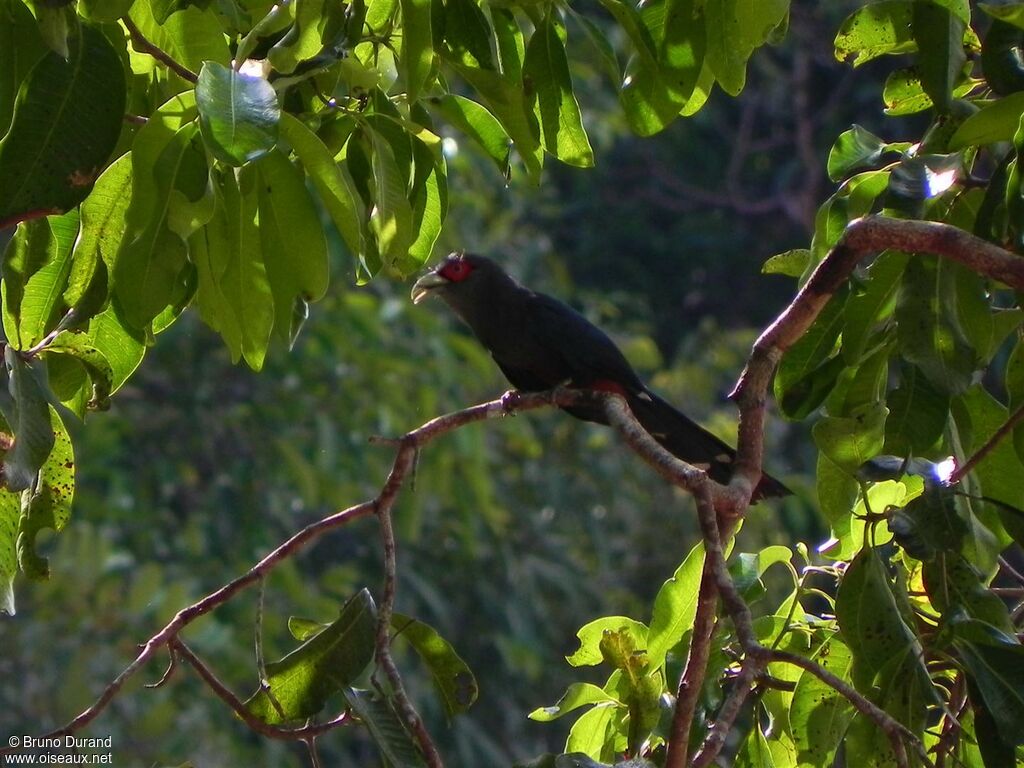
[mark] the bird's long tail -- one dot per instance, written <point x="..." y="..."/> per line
<point x="692" y="443"/>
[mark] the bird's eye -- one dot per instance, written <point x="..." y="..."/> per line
<point x="457" y="271"/>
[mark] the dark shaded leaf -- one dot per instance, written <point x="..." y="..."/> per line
<point x="29" y="418"/>
<point x="929" y="331"/>
<point x="939" y="36"/>
<point x="386" y="728"/>
<point x="995" y="663"/>
<point x="66" y="122"/>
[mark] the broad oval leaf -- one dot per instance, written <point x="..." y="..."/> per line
<point x="239" y="114"/>
<point x="66" y="123"/>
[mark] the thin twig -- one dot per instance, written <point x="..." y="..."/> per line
<point x="403" y="466"/>
<point x="142" y="45"/>
<point x="990" y="445"/>
<point x="187" y="615"/>
<point x="650" y="450"/>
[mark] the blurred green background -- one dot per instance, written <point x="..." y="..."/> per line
<point x="517" y="532"/>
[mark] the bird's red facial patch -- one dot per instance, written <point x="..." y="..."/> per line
<point x="456" y="270"/>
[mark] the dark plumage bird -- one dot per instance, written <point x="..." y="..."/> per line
<point x="540" y="343"/>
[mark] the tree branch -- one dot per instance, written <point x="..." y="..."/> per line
<point x="142" y="45"/>
<point x="990" y="444"/>
<point x="676" y="471"/>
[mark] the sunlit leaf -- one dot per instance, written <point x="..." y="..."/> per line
<point x="239" y="114"/>
<point x="329" y="661"/>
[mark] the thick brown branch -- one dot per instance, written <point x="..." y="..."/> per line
<point x="863" y="237"/>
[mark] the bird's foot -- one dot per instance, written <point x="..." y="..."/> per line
<point x="510" y="400"/>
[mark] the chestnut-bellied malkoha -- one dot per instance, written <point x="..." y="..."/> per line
<point x="540" y="343"/>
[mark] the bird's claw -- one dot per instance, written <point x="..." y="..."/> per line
<point x="509" y="401"/>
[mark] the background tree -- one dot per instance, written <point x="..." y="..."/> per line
<point x="251" y="129"/>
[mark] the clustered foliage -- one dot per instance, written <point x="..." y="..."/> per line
<point x="165" y="155"/>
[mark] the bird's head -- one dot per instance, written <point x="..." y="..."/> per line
<point x="458" y="273"/>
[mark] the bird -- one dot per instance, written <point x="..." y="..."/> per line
<point x="540" y="343"/>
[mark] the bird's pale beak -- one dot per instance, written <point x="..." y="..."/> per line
<point x="422" y="287"/>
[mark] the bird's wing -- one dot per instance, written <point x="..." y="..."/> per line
<point x="587" y="353"/>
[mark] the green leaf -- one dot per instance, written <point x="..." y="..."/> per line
<point x="918" y="412"/>
<point x="809" y="368"/>
<point x="429" y="196"/>
<point x="871" y="304"/>
<point x="391" y="219"/>
<point x="326" y="663"/>
<point x="123" y="349"/>
<point x="79" y="346"/>
<point x="35" y="274"/>
<point x="10" y="513"/>
<point x="929" y="332"/>
<point x="103" y="227"/>
<point x="674" y="608"/>
<point x="152" y="254"/>
<point x="303" y="41"/>
<point x="1010" y="11"/>
<point x="590" y="635"/>
<point x="468" y="35"/>
<point x="851" y="440"/>
<point x="792" y="263"/>
<point x="995" y="122"/>
<point x="548" y="90"/>
<point x="331" y="180"/>
<point x="66" y="122"/>
<point x="837" y="490"/>
<point x="656" y="89"/>
<point x="239" y="114"/>
<point x="48" y="503"/>
<point x="504" y="98"/>
<point x="234" y="294"/>
<point x="876" y="30"/>
<point x="995" y="664"/>
<point x="854" y="198"/>
<point x="735" y="28"/>
<point x="939" y="35"/>
<point x="292" y="240"/>
<point x="29" y="418"/>
<point x="819" y="714"/>
<point x="475" y="121"/>
<point x="386" y="729"/>
<point x="190" y="36"/>
<point x="1000" y="473"/>
<point x="589" y="733"/>
<point x="576" y="696"/>
<point x="453" y="679"/>
<point x="955" y="587"/>
<point x="417" y="59"/>
<point x="20" y="48"/>
<point x="855" y="150"/>
<point x="104" y="10"/>
<point x="871" y="623"/>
